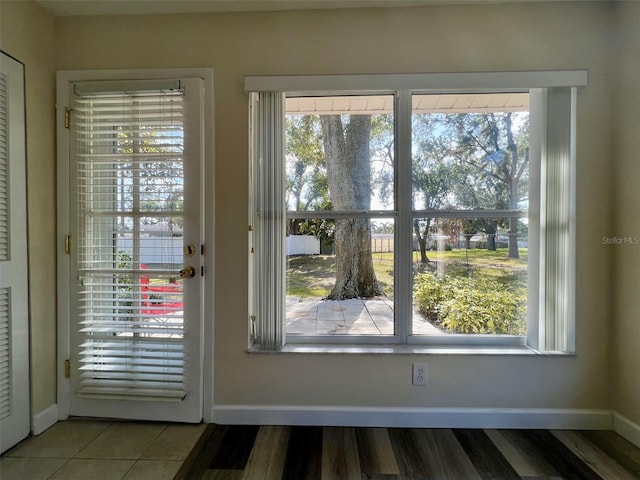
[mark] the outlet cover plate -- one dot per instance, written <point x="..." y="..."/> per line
<point x="420" y="374"/>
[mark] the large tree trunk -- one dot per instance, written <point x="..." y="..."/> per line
<point x="348" y="174"/>
<point x="355" y="276"/>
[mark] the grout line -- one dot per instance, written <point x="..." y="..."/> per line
<point x="130" y="468"/>
<point x="59" y="468"/>
<point x="109" y="423"/>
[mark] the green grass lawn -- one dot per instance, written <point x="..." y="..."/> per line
<point x="310" y="275"/>
<point x="314" y="275"/>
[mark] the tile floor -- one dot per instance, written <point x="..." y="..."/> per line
<point x="80" y="449"/>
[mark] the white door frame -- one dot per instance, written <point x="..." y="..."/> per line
<point x="64" y="78"/>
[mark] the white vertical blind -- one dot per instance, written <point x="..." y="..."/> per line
<point x="129" y="184"/>
<point x="269" y="218"/>
<point x="557" y="219"/>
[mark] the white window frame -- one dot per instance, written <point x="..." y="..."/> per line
<point x="553" y="94"/>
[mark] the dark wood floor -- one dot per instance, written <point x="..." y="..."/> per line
<point x="341" y="453"/>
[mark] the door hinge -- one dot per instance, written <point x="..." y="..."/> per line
<point x="202" y="271"/>
<point x="67" y="244"/>
<point x="201" y="249"/>
<point x="67" y="117"/>
<point x="67" y="368"/>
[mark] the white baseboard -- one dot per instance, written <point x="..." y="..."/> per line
<point x="574" y="419"/>
<point x="44" y="419"/>
<point x="626" y="428"/>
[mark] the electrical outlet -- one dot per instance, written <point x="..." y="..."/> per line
<point x="419" y="374"/>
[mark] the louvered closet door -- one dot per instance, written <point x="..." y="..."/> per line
<point x="14" y="310"/>
<point x="136" y="296"/>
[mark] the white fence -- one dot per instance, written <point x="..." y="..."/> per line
<point x="303" y="245"/>
<point x="154" y="250"/>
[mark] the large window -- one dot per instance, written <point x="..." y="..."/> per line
<point x="412" y="216"/>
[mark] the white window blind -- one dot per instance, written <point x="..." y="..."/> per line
<point x="129" y="148"/>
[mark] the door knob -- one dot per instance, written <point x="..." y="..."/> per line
<point x="188" y="272"/>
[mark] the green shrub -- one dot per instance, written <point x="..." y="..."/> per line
<point x="429" y="292"/>
<point x="476" y="305"/>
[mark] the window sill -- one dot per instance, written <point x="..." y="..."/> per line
<point x="409" y="350"/>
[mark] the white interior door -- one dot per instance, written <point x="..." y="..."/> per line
<point x="136" y="246"/>
<point x="14" y="289"/>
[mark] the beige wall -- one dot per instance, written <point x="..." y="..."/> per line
<point x="626" y="283"/>
<point x="27" y="33"/>
<point x="432" y="39"/>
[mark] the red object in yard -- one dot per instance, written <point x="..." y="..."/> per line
<point x="160" y="305"/>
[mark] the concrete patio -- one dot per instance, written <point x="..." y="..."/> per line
<point x="315" y="316"/>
